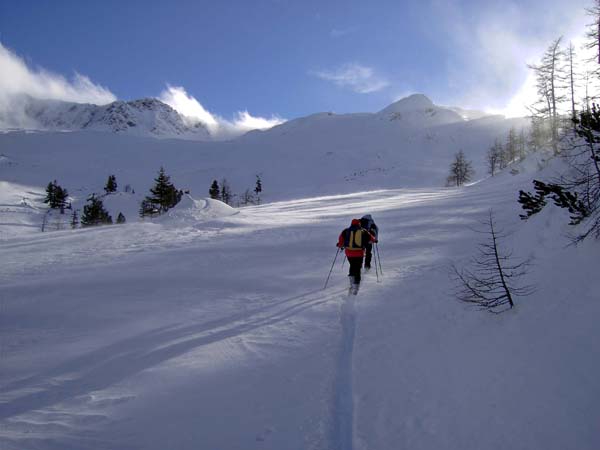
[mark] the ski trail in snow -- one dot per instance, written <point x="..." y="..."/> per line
<point x="343" y="408"/>
<point x="116" y="362"/>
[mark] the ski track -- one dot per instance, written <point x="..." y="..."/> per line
<point x="109" y="365"/>
<point x="343" y="407"/>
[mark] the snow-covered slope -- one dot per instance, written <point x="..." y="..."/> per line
<point x="209" y="327"/>
<point x="213" y="331"/>
<point x="144" y="117"/>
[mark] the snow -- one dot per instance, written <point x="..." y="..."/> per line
<point x="144" y="117"/>
<point x="209" y="328"/>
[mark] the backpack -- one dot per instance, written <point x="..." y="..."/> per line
<point x="369" y="225"/>
<point x="353" y="238"/>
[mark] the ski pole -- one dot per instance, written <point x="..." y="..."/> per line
<point x="379" y="258"/>
<point x="376" y="270"/>
<point x="343" y="261"/>
<point x="330" y="270"/>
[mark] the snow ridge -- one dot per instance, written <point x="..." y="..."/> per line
<point x="143" y="117"/>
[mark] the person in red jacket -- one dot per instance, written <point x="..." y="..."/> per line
<point x="354" y="240"/>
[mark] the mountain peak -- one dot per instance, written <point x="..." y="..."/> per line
<point x="414" y="102"/>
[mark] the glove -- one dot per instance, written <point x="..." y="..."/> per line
<point x="376" y="241"/>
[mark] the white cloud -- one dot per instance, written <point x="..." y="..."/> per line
<point x="245" y="121"/>
<point x="186" y="105"/>
<point x="489" y="50"/>
<point x="193" y="111"/>
<point x="17" y="78"/>
<point x="358" y="78"/>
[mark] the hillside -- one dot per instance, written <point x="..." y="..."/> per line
<point x="211" y="329"/>
<point x="409" y="144"/>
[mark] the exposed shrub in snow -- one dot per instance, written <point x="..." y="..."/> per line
<point x="494" y="279"/>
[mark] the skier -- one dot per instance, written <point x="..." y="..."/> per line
<point x="354" y="240"/>
<point x="368" y="224"/>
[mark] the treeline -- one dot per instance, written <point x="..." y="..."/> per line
<point x="94" y="212"/>
<point x="501" y="154"/>
<point x="162" y="197"/>
<point x="223" y="193"/>
<point x="570" y="126"/>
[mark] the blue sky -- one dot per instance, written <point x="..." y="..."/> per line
<point x="292" y="58"/>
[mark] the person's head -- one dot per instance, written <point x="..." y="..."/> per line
<point x="355" y="223"/>
<point x="367" y="217"/>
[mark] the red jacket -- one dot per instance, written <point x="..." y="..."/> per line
<point x="354" y="249"/>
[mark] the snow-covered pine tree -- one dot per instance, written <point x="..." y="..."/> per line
<point x="56" y="196"/>
<point x="225" y="191"/>
<point x="164" y="194"/>
<point x="215" y="191"/>
<point x="111" y="184"/>
<point x="258" y="188"/>
<point x="121" y="218"/>
<point x="94" y="213"/>
<point x="51" y="194"/>
<point x="147" y="208"/>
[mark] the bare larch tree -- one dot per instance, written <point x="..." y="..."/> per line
<point x="495" y="277"/>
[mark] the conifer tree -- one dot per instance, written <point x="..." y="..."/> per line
<point x="461" y="170"/>
<point x="111" y="185"/>
<point x="94" y="213"/>
<point x="61" y="196"/>
<point x="258" y="188"/>
<point x="214" y="191"/>
<point x="121" y="218"/>
<point x="496" y="277"/>
<point x="51" y="194"/>
<point x="147" y="208"/>
<point x="495" y="158"/>
<point x="521" y="145"/>
<point x="74" y="219"/>
<point x="225" y="191"/>
<point x="550" y="79"/>
<point x="248" y="197"/>
<point x="511" y="149"/>
<point x="56" y="196"/>
<point x="164" y="194"/>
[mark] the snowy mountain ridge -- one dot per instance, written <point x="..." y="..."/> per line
<point x="143" y="117"/>
<point x="150" y="117"/>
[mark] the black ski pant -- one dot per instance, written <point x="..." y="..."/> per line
<point x="355" y="267"/>
<point x="369" y="254"/>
